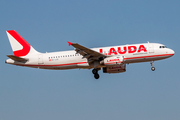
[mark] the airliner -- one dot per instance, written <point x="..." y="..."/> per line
<point x="112" y="59"/>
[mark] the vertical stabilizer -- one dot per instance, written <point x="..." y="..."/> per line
<point x="19" y="45"/>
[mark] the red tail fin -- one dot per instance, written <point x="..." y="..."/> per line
<point x="19" y="45"/>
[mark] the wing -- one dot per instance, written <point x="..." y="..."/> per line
<point x="90" y="54"/>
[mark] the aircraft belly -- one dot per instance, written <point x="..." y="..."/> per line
<point x="145" y="58"/>
<point x="64" y="64"/>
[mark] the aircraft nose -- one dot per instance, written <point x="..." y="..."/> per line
<point x="171" y="52"/>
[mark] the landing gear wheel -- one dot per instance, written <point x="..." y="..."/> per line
<point x="96" y="76"/>
<point x="153" y="68"/>
<point x="94" y="71"/>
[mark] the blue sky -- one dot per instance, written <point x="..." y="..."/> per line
<point x="138" y="94"/>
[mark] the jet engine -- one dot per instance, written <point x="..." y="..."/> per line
<point x="115" y="69"/>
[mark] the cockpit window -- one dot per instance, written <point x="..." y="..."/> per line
<point x="162" y="47"/>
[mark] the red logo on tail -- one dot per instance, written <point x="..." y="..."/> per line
<point x="22" y="41"/>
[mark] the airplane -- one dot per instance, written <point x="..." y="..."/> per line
<point x="111" y="59"/>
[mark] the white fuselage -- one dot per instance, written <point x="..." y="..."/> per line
<point x="133" y="53"/>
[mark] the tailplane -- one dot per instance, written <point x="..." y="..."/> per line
<point x="19" y="59"/>
<point x="19" y="45"/>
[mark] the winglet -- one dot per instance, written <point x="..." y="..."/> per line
<point x="69" y="43"/>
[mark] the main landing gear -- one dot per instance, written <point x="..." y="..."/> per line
<point x="152" y="68"/>
<point x="95" y="72"/>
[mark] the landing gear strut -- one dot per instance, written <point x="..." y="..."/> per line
<point x="152" y="68"/>
<point x="95" y="72"/>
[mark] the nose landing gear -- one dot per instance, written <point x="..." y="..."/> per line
<point x="152" y="68"/>
<point x="95" y="72"/>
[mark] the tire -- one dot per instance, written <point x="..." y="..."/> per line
<point x="96" y="76"/>
<point x="94" y="71"/>
<point x="153" y="68"/>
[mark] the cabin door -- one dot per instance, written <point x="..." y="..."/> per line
<point x="151" y="48"/>
<point x="40" y="59"/>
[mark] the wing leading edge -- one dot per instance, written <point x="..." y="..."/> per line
<point x="90" y="54"/>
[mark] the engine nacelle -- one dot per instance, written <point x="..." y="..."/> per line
<point x="115" y="69"/>
<point x="111" y="61"/>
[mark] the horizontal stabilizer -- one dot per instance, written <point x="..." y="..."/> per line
<point x="15" y="58"/>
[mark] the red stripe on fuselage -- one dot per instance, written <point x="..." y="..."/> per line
<point x="53" y="65"/>
<point x="130" y="58"/>
<point x="148" y="56"/>
<point x="113" y="62"/>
